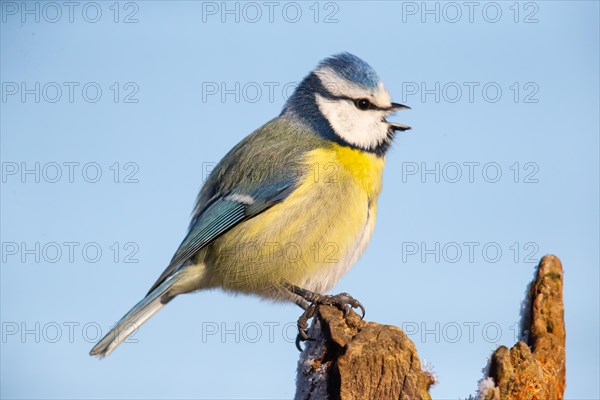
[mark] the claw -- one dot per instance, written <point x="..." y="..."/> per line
<point x="343" y="301"/>
<point x="303" y="325"/>
<point x="302" y="337"/>
<point x="298" y="340"/>
<point x="362" y="310"/>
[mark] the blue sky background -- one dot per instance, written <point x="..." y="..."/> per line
<point x="164" y="126"/>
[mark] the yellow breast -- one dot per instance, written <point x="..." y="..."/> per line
<point x="315" y="234"/>
<point x="340" y="162"/>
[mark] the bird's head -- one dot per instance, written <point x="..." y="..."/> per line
<point x="344" y="100"/>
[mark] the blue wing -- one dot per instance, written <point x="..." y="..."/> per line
<point x="222" y="213"/>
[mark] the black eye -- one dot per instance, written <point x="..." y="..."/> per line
<point x="362" y="104"/>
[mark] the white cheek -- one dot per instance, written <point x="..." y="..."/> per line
<point x="360" y="128"/>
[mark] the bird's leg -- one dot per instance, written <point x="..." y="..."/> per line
<point x="343" y="301"/>
<point x="301" y="303"/>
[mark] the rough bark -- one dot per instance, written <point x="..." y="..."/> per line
<point x="354" y="359"/>
<point x="535" y="368"/>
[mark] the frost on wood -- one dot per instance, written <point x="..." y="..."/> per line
<point x="354" y="359"/>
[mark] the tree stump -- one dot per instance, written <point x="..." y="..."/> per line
<point x="354" y="359"/>
<point x="534" y="368"/>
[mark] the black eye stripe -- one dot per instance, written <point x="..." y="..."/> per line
<point x="326" y="93"/>
<point x="372" y="106"/>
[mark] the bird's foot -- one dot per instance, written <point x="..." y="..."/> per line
<point x="343" y="301"/>
<point x="303" y="325"/>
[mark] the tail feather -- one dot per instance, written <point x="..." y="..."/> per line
<point x="132" y="321"/>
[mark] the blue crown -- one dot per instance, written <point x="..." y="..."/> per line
<point x="352" y="68"/>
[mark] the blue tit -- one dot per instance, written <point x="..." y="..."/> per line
<point x="290" y="208"/>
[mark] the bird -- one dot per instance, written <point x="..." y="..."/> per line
<point x="290" y="208"/>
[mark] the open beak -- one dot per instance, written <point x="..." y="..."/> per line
<point x="398" y="107"/>
<point x="394" y="126"/>
<point x="399" y="127"/>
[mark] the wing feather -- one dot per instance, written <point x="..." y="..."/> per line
<point x="223" y="213"/>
